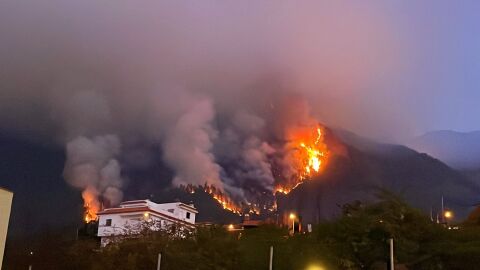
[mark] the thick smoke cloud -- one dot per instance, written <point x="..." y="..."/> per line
<point x="188" y="146"/>
<point x="201" y="79"/>
<point x="92" y="166"/>
<point x="245" y="154"/>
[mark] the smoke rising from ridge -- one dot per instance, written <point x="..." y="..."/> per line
<point x="92" y="166"/>
<point x="188" y="147"/>
<point x="201" y="79"/>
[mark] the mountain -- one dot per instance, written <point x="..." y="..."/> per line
<point x="43" y="200"/>
<point x="457" y="149"/>
<point x="368" y="166"/>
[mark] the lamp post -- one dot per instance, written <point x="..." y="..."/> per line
<point x="293" y="217"/>
<point x="447" y="214"/>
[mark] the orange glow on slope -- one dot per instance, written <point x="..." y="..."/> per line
<point x="307" y="154"/>
<point x="223" y="199"/>
<point x="91" y="206"/>
<point x="90" y="214"/>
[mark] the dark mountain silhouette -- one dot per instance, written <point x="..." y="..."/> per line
<point x="359" y="168"/>
<point x="457" y="149"/>
<point x="368" y="167"/>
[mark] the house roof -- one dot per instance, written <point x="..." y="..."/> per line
<point x="180" y="204"/>
<point x="134" y="202"/>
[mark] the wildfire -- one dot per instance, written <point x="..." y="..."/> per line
<point x="91" y="205"/>
<point x="313" y="155"/>
<point x="307" y="155"/>
<point x="223" y="199"/>
<point x="90" y="214"/>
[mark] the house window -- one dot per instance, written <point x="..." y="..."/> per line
<point x="171" y="210"/>
<point x="188" y="215"/>
<point x="108" y="222"/>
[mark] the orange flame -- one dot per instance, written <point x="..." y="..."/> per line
<point x="90" y="214"/>
<point x="223" y="199"/>
<point x="91" y="205"/>
<point x="306" y="154"/>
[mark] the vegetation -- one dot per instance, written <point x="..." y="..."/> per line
<point x="357" y="240"/>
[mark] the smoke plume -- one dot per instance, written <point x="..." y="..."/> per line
<point x="198" y="82"/>
<point x="188" y="146"/>
<point x="92" y="166"/>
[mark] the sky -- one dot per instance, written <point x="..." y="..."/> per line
<point x="387" y="70"/>
<point x="443" y="79"/>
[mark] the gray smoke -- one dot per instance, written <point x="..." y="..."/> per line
<point x="92" y="166"/>
<point x="241" y="144"/>
<point x="199" y="79"/>
<point x="188" y="145"/>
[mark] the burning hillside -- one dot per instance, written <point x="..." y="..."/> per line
<point x="91" y="205"/>
<point x="306" y="155"/>
<point x="242" y="163"/>
<point x="300" y="157"/>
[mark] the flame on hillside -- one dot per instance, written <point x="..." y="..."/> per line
<point x="306" y="156"/>
<point x="91" y="206"/>
<point x="223" y="199"/>
<point x="90" y="214"/>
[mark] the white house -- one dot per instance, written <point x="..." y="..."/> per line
<point x="129" y="215"/>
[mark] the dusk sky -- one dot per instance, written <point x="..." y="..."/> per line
<point x="385" y="70"/>
<point x="441" y="87"/>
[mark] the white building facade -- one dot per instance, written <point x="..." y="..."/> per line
<point x="132" y="215"/>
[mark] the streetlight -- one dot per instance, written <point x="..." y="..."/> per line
<point x="293" y="217"/>
<point x="315" y="267"/>
<point x="448" y="214"/>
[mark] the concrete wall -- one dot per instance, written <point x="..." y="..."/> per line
<point x="5" y="207"/>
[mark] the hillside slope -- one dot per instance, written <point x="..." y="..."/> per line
<point x="368" y="167"/>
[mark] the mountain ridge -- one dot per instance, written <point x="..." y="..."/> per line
<point x="460" y="150"/>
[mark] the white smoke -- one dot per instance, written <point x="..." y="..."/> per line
<point x="188" y="145"/>
<point x="92" y="166"/>
<point x="241" y="147"/>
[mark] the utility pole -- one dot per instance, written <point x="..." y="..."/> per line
<point x="270" y="265"/>
<point x="293" y="217"/>
<point x="443" y="211"/>
<point x="159" y="262"/>
<point x="392" y="263"/>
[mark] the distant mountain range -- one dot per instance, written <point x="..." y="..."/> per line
<point x="460" y="150"/>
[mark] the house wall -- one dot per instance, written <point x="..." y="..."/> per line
<point x="128" y="223"/>
<point x="5" y="208"/>
<point x="179" y="212"/>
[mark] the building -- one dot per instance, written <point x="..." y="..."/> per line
<point x="130" y="216"/>
<point x="5" y="207"/>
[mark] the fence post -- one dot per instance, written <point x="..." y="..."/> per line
<point x="270" y="266"/>
<point x="159" y="262"/>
